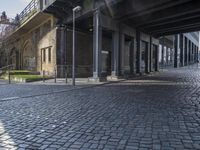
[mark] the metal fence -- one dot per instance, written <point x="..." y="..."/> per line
<point x="28" y="12"/>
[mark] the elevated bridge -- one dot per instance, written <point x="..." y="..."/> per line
<point x="156" y="17"/>
<point x="115" y="37"/>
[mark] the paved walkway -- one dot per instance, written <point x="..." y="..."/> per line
<point x="161" y="111"/>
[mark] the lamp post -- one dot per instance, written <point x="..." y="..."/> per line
<point x="76" y="9"/>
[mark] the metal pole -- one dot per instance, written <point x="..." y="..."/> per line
<point x="73" y="57"/>
<point x="43" y="76"/>
<point x="66" y="74"/>
<point x="9" y="79"/>
<point x="55" y="74"/>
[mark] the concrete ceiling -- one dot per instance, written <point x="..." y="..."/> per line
<point x="156" y="17"/>
<point x="161" y="17"/>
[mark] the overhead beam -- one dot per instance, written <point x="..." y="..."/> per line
<point x="178" y="30"/>
<point x="186" y="9"/>
<point x="127" y="12"/>
<point x="189" y="24"/>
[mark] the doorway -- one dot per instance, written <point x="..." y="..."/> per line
<point x="155" y="58"/>
<point x="106" y="52"/>
<point x="144" y="57"/>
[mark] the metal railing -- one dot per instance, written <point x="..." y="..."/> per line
<point x="5" y="70"/>
<point x="65" y="71"/>
<point x="31" y="9"/>
<point x="28" y="12"/>
<point x="48" y="3"/>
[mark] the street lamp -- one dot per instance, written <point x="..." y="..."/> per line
<point x="76" y="9"/>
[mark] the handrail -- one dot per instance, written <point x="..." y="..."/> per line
<point x="29" y="11"/>
<point x="5" y="67"/>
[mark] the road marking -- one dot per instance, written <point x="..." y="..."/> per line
<point x="10" y="98"/>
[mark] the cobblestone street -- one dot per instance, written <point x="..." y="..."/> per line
<point x="160" y="111"/>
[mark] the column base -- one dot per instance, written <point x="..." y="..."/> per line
<point x="97" y="79"/>
<point x="113" y="78"/>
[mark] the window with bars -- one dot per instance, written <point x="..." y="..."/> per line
<point x="46" y="54"/>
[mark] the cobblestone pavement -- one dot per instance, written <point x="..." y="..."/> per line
<point x="161" y="111"/>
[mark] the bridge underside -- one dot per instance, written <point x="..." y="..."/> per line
<point x="158" y="18"/>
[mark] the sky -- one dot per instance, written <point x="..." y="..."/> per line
<point x="12" y="7"/>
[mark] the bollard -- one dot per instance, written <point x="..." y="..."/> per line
<point x="55" y="75"/>
<point x="9" y="79"/>
<point x="66" y="75"/>
<point x="43" y="76"/>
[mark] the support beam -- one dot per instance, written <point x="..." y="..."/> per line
<point x="138" y="52"/>
<point x="151" y="55"/>
<point x="147" y="58"/>
<point x="115" y="54"/>
<point x="97" y="47"/>
<point x="162" y="56"/>
<point x="176" y="49"/>
<point x="122" y="45"/>
<point x="156" y="58"/>
<point x="131" y="59"/>
<point x="181" y="45"/>
<point x="61" y="50"/>
<point x="185" y="51"/>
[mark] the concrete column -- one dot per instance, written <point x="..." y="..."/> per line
<point x="156" y="58"/>
<point x="176" y="51"/>
<point x="122" y="44"/>
<point x="97" y="46"/>
<point x="185" y="53"/>
<point x="151" y="55"/>
<point x="190" y="51"/>
<point x="131" y="59"/>
<point x="138" y="52"/>
<point x="147" y="58"/>
<point x="197" y="54"/>
<point x="61" y="50"/>
<point x="193" y="53"/>
<point x="115" y="54"/>
<point x="181" y="50"/>
<point x="163" y="55"/>
<point x="167" y="56"/>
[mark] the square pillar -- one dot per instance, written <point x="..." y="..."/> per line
<point x="188" y="52"/>
<point x="151" y="55"/>
<point x="197" y="54"/>
<point x="131" y="59"/>
<point x="185" y="51"/>
<point x="182" y="52"/>
<point x="176" y="49"/>
<point x="193" y="53"/>
<point x="156" y="58"/>
<point x="61" y="51"/>
<point x="97" y="47"/>
<point x="167" y="56"/>
<point x="138" y="52"/>
<point x="115" y="54"/>
<point x="122" y="44"/>
<point x="163" y="50"/>
<point x="147" y="58"/>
